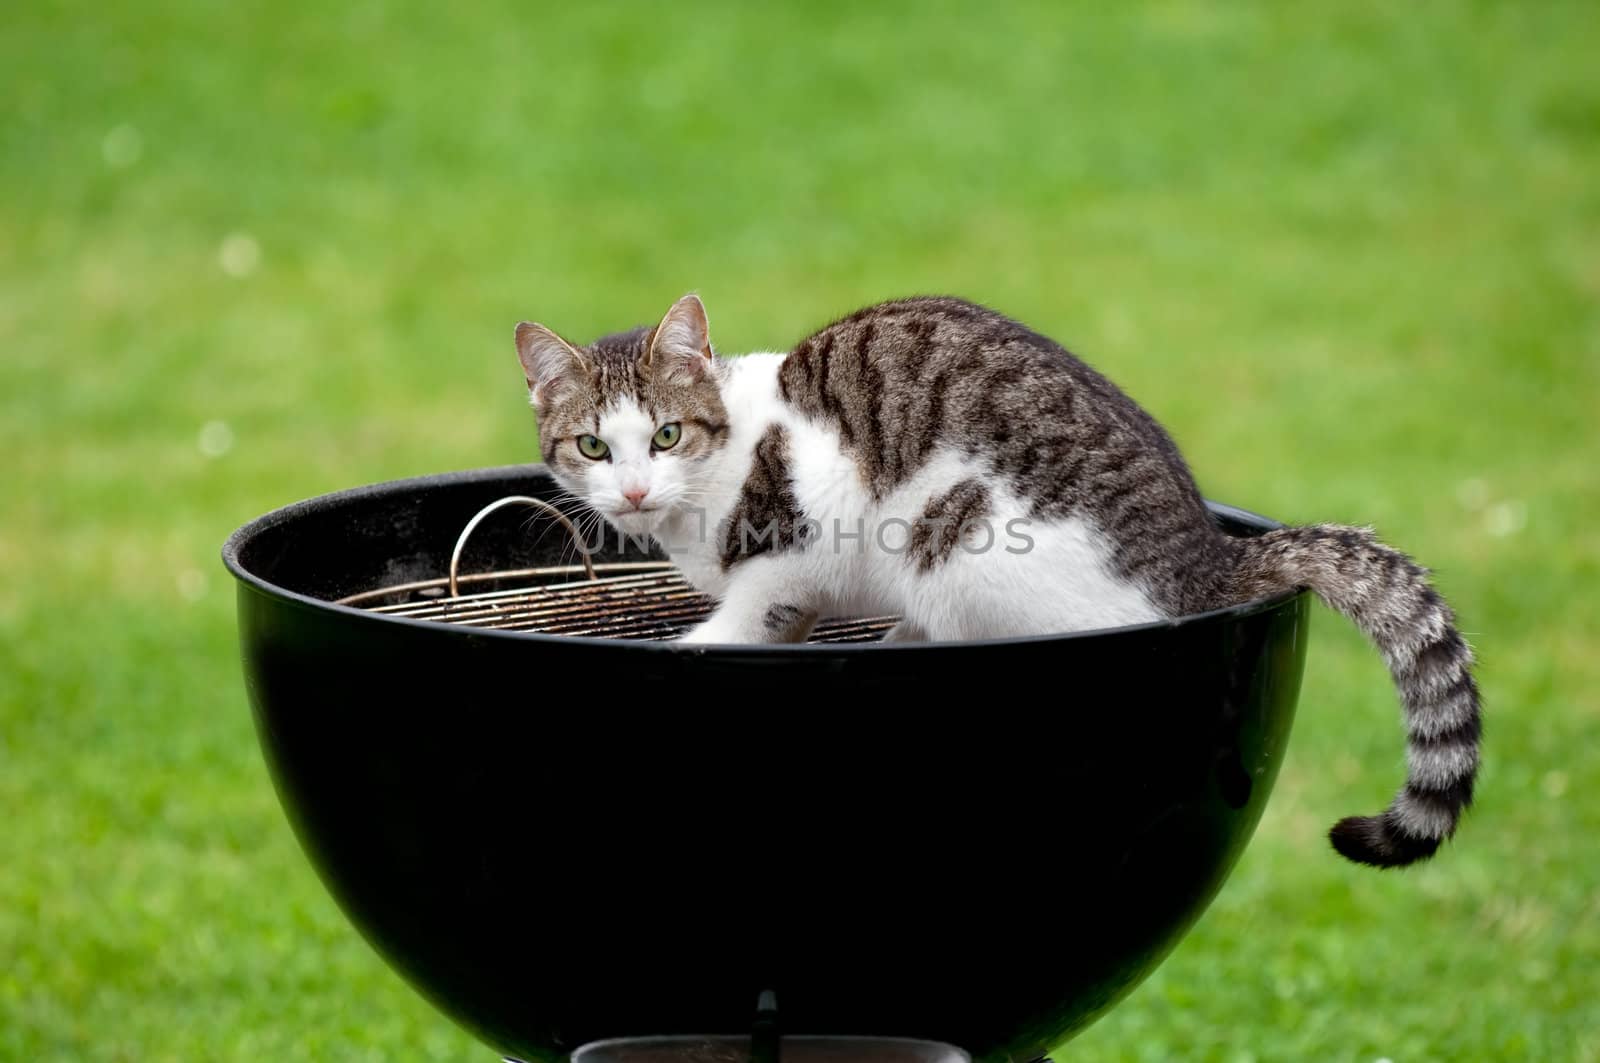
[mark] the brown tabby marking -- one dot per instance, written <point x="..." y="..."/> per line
<point x="937" y="532"/>
<point x="617" y="371"/>
<point x="789" y="623"/>
<point x="1388" y="597"/>
<point x="767" y="517"/>
<point x="899" y="379"/>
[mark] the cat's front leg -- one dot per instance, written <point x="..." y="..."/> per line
<point x="761" y="605"/>
<point x="780" y="622"/>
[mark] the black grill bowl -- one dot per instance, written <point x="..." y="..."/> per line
<point x="559" y="840"/>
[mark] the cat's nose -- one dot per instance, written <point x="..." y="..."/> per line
<point x="635" y="496"/>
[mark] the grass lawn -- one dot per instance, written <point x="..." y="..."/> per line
<point x="254" y="252"/>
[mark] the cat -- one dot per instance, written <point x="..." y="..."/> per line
<point x="933" y="459"/>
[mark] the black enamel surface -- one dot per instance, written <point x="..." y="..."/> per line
<point x="564" y="840"/>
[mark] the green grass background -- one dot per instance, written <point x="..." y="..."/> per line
<point x="1349" y="253"/>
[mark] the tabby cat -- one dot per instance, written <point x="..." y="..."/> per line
<point x="933" y="459"/>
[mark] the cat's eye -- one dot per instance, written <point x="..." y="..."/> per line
<point x="666" y="436"/>
<point x="592" y="447"/>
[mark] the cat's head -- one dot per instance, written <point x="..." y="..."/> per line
<point x="631" y="422"/>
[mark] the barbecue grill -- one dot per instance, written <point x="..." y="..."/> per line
<point x="582" y="840"/>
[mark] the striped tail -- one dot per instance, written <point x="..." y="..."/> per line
<point x="1388" y="597"/>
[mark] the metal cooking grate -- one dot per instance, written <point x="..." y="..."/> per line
<point x="647" y="601"/>
<point x="641" y="600"/>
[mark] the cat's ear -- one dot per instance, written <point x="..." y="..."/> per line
<point x="680" y="347"/>
<point x="550" y="364"/>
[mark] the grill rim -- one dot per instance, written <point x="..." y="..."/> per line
<point x="249" y="581"/>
